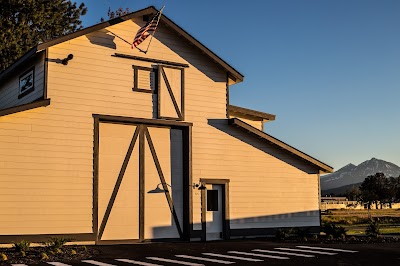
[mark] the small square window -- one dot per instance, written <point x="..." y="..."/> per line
<point x="26" y="83"/>
<point x="142" y="77"/>
<point x="212" y="200"/>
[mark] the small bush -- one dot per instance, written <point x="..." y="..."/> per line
<point x="22" y="246"/>
<point x="57" y="250"/>
<point x="301" y="232"/>
<point x="283" y="234"/>
<point x="373" y="229"/>
<point x="57" y="242"/>
<point x="3" y="257"/>
<point x="43" y="256"/>
<point x="334" y="230"/>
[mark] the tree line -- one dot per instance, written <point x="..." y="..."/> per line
<point x="377" y="189"/>
<point x="27" y="23"/>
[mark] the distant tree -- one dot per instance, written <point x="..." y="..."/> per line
<point x="377" y="189"/>
<point x="353" y="194"/>
<point x="395" y="188"/>
<point x="369" y="192"/>
<point x="117" y="13"/>
<point x="26" y="23"/>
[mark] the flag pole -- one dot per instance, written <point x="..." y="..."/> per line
<point x="159" y="17"/>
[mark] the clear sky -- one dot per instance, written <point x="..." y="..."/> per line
<point x="329" y="70"/>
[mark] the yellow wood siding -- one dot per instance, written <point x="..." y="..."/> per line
<point x="46" y="154"/>
<point x="9" y="88"/>
<point x="264" y="191"/>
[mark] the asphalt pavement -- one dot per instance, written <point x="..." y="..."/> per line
<point x="243" y="252"/>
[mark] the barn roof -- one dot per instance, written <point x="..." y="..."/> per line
<point x="233" y="73"/>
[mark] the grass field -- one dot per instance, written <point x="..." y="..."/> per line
<point x="356" y="221"/>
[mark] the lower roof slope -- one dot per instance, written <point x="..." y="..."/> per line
<point x="252" y="130"/>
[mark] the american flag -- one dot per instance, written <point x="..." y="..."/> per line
<point x="146" y="30"/>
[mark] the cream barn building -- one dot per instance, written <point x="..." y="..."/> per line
<point x="104" y="143"/>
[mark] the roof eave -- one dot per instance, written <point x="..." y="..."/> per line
<point x="233" y="73"/>
<point x="19" y="61"/>
<point x="257" y="114"/>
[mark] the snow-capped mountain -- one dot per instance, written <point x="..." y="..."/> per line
<point x="351" y="174"/>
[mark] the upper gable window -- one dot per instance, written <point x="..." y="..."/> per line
<point x="26" y="82"/>
<point x="142" y="77"/>
<point x="171" y="92"/>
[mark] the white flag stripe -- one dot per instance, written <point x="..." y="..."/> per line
<point x="205" y="259"/>
<point x="175" y="261"/>
<point x="138" y="262"/>
<point x="284" y="253"/>
<point x="97" y="263"/>
<point x="308" y="251"/>
<point x="55" y="263"/>
<point x="259" y="255"/>
<point x="231" y="257"/>
<point x="331" y="249"/>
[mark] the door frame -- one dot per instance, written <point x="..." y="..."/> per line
<point x="225" y="207"/>
<point x="186" y="128"/>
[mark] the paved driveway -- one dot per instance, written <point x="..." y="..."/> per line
<point x="244" y="252"/>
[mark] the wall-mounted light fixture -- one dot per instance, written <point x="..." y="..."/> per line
<point x="65" y="60"/>
<point x="199" y="186"/>
<point x="159" y="189"/>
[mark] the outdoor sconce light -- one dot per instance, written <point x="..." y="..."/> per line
<point x="158" y="189"/>
<point x="65" y="60"/>
<point x="199" y="186"/>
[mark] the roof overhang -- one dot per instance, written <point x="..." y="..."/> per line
<point x="252" y="130"/>
<point x="232" y="73"/>
<point x="257" y="115"/>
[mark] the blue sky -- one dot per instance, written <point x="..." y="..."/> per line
<point x="329" y="70"/>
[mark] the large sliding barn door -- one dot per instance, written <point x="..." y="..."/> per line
<point x="140" y="182"/>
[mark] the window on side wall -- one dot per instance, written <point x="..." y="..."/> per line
<point x="26" y="83"/>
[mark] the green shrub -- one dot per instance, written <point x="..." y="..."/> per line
<point x="57" y="242"/>
<point x="43" y="256"/>
<point x="301" y="232"/>
<point x="334" y="230"/>
<point x="373" y="229"/>
<point x="283" y="234"/>
<point x="22" y="246"/>
<point x="3" y="257"/>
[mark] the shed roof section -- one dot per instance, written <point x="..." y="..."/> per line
<point x="233" y="73"/>
<point x="246" y="127"/>
<point x="252" y="113"/>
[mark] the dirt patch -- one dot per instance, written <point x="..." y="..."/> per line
<point x="36" y="255"/>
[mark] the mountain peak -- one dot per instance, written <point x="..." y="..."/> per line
<point x="352" y="174"/>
